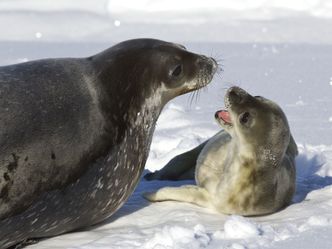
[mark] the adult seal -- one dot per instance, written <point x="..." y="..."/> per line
<point x="246" y="169"/>
<point x="75" y="132"/>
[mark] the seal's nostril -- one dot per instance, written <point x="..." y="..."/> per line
<point x="214" y="61"/>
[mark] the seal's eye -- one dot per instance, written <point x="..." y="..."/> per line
<point x="244" y="118"/>
<point x="176" y="71"/>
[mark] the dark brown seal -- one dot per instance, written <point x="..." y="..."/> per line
<point x="75" y="133"/>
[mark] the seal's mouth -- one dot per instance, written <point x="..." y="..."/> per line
<point x="224" y="117"/>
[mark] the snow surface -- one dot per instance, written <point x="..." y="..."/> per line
<point x="278" y="49"/>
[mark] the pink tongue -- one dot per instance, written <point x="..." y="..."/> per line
<point x="224" y="115"/>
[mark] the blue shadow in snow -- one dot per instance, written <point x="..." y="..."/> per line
<point x="307" y="179"/>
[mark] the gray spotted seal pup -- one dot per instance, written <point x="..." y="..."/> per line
<point x="246" y="169"/>
<point x="75" y="132"/>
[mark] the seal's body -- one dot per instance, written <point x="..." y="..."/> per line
<point x="75" y="133"/>
<point x="246" y="169"/>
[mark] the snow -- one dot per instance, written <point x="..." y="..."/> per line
<point x="179" y="237"/>
<point x="278" y="49"/>
<point x="237" y="227"/>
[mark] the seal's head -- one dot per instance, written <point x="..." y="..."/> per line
<point x="154" y="66"/>
<point x="256" y="122"/>
<point x="136" y="78"/>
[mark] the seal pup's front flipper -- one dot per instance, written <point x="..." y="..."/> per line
<point x="187" y="193"/>
<point x="181" y="167"/>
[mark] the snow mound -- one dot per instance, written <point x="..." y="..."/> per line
<point x="315" y="221"/>
<point x="238" y="227"/>
<point x="177" y="237"/>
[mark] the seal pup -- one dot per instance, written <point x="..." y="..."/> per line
<point x="246" y="169"/>
<point x="75" y="132"/>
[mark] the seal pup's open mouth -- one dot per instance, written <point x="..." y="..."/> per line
<point x="223" y="117"/>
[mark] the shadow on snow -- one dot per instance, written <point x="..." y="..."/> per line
<point x="307" y="177"/>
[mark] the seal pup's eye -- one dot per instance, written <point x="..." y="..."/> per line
<point x="176" y="71"/>
<point x="244" y="118"/>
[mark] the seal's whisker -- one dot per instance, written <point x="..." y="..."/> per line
<point x="216" y="56"/>
<point x="206" y="89"/>
<point x="219" y="75"/>
<point x="197" y="96"/>
<point x="190" y="99"/>
<point x="220" y="66"/>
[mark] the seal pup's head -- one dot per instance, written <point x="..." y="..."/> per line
<point x="259" y="124"/>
